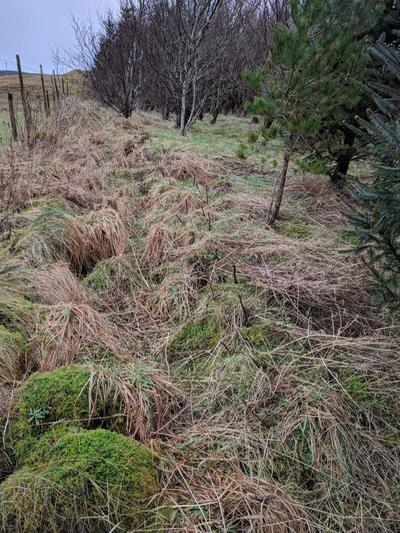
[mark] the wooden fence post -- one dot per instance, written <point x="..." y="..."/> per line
<point x="56" y="87"/>
<point x="13" y="119"/>
<point x="48" y="101"/>
<point x="44" y="92"/>
<point x="25" y="105"/>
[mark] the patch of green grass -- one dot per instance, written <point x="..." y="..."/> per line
<point x="295" y="229"/>
<point x="99" y="278"/>
<point x="348" y="237"/>
<point x="5" y="132"/>
<point x="13" y="347"/>
<point x="202" y="334"/>
<point x="264" y="336"/>
<point x="13" y="338"/>
<point x="15" y="310"/>
<point x="224" y="137"/>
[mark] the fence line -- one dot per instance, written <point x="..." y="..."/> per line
<point x="60" y="90"/>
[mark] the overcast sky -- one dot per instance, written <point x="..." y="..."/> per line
<point x="33" y="28"/>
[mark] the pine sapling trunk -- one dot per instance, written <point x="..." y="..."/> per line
<point x="277" y="193"/>
<point x="343" y="161"/>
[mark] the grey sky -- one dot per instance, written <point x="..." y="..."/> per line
<point x="33" y="28"/>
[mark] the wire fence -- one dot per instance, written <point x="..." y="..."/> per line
<point x="26" y="98"/>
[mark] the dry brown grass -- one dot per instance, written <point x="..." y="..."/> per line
<point x="207" y="490"/>
<point x="158" y="244"/>
<point x="105" y="235"/>
<point x="254" y="362"/>
<point x="55" y="284"/>
<point x="150" y="401"/>
<point x="68" y="328"/>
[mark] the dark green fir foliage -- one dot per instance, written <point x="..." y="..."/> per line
<point x="377" y="219"/>
<point x="307" y="84"/>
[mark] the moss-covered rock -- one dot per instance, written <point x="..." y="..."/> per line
<point x="13" y="347"/>
<point x="80" y="480"/>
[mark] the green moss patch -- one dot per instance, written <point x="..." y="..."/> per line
<point x="294" y="229"/>
<point x="80" y="480"/>
<point x="263" y="336"/>
<point x="202" y="334"/>
<point x="72" y="395"/>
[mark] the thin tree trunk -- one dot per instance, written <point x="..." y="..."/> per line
<point x="183" y="111"/>
<point x="277" y="193"/>
<point x="165" y="113"/>
<point x="344" y="159"/>
<point x="214" y="116"/>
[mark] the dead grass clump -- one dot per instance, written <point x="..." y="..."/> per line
<point x="128" y="124"/>
<point x="308" y="186"/>
<point x="56" y="284"/>
<point x="105" y="235"/>
<point x="290" y="271"/>
<point x="189" y="203"/>
<point x="158" y="245"/>
<point x="194" y="169"/>
<point x="68" y="328"/>
<point x="13" y="352"/>
<point x="149" y="400"/>
<point x="205" y="484"/>
<point x="55" y="235"/>
<point x="143" y="137"/>
<point x="129" y="147"/>
<point x="59" y="236"/>
<point x="118" y="202"/>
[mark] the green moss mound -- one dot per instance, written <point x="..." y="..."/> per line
<point x="48" y="397"/>
<point x="80" y="480"/>
<point x="65" y="395"/>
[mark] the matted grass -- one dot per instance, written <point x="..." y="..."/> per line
<point x="253" y="361"/>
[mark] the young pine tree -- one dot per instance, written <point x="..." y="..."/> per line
<point x="308" y="81"/>
<point x="377" y="219"/>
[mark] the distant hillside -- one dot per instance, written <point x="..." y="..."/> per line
<point x="14" y="72"/>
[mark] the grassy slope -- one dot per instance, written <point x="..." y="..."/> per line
<point x="287" y="370"/>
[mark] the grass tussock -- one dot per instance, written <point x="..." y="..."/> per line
<point x="253" y="361"/>
<point x="13" y="350"/>
<point x="68" y="328"/>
